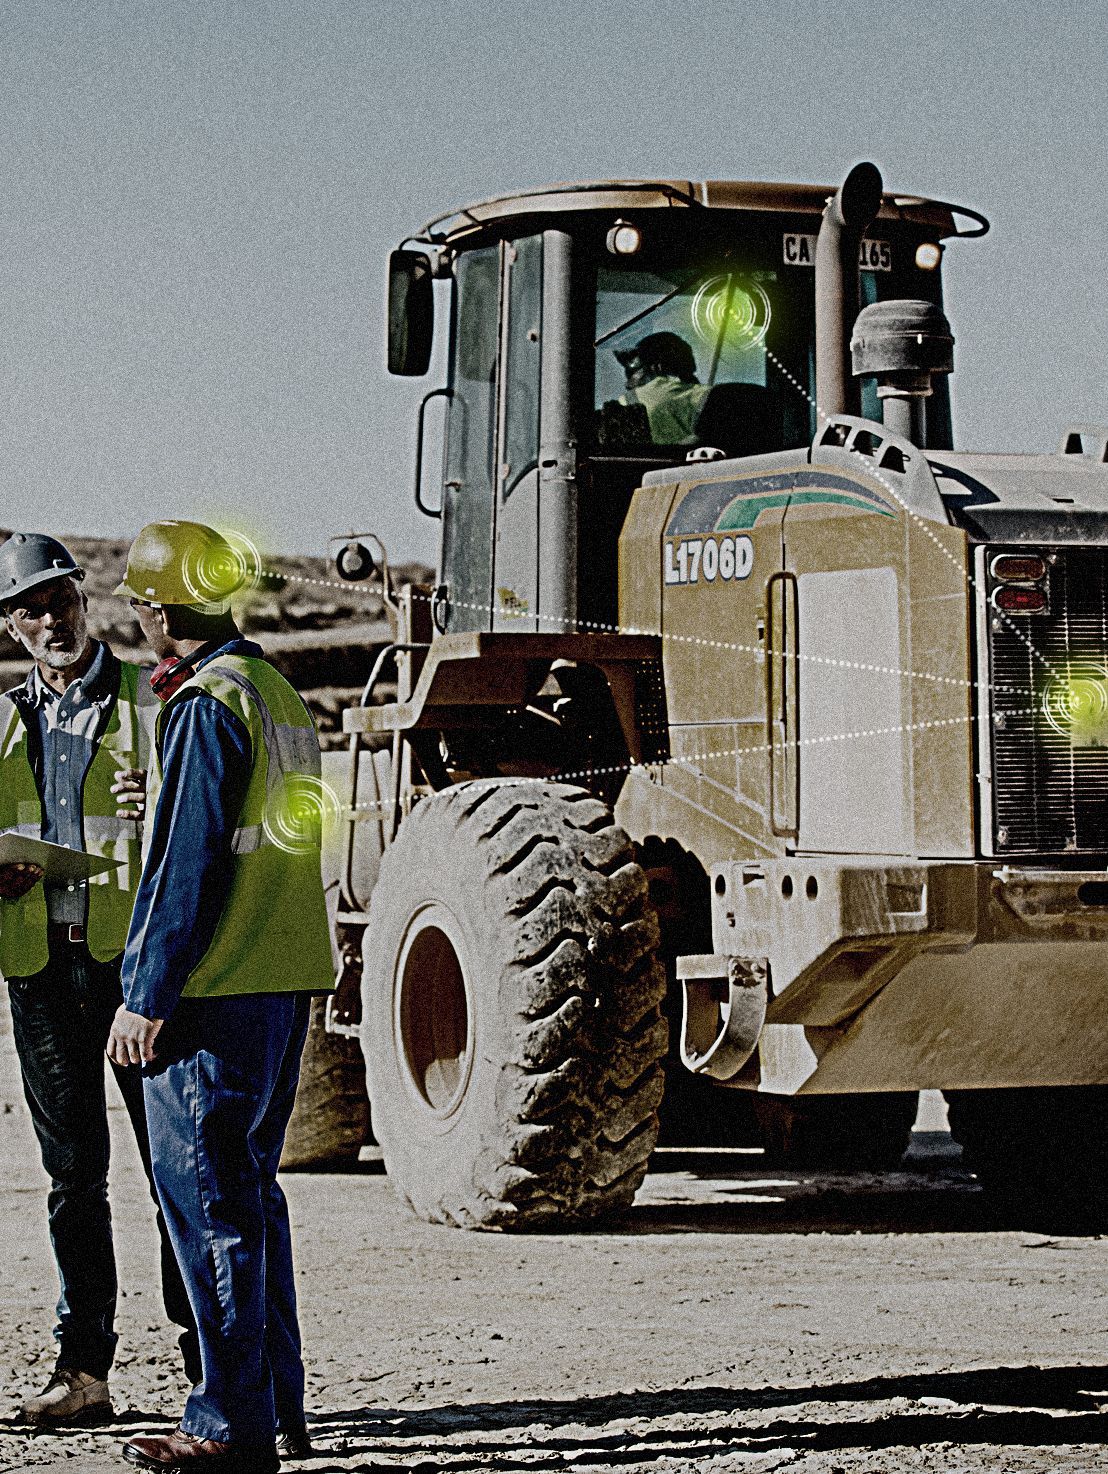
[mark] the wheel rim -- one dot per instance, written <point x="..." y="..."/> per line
<point x="433" y="1019"/>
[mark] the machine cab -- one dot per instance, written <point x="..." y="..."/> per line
<point x="600" y="331"/>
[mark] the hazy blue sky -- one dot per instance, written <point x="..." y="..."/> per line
<point x="198" y="198"/>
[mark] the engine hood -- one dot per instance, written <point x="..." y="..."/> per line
<point x="1024" y="498"/>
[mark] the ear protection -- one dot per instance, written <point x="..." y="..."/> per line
<point x="170" y="674"/>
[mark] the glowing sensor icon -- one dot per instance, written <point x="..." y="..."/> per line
<point x="213" y="574"/>
<point x="731" y="314"/>
<point x="1076" y="704"/>
<point x="298" y="812"/>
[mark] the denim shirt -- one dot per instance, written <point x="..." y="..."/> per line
<point x="69" y="725"/>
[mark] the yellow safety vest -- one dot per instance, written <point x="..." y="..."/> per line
<point x="272" y="935"/>
<point x="672" y="407"/>
<point x="125" y="742"/>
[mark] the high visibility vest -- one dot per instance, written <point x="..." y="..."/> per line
<point x="672" y="407"/>
<point x="125" y="742"/>
<point x="272" y="935"/>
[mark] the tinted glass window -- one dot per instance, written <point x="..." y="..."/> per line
<point x="471" y="441"/>
<point x="706" y="334"/>
<point x="521" y="407"/>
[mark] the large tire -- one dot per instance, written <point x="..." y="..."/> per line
<point x="1039" y="1153"/>
<point x="867" y="1132"/>
<point x="330" y="1120"/>
<point x="511" y="1016"/>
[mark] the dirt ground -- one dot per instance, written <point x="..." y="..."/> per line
<point x="735" y="1320"/>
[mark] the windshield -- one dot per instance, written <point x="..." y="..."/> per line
<point x="705" y="336"/>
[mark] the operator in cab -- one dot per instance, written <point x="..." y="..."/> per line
<point x="660" y="371"/>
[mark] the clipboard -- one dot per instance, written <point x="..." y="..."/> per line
<point x="59" y="864"/>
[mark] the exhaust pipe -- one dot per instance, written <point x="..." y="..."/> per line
<point x="848" y="215"/>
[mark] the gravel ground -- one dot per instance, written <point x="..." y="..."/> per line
<point x="734" y="1321"/>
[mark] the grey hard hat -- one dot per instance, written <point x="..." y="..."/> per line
<point x="28" y="559"/>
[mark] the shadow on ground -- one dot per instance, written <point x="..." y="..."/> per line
<point x="1029" y="1406"/>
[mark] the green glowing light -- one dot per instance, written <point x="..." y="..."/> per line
<point x="298" y="811"/>
<point x="212" y="575"/>
<point x="731" y="315"/>
<point x="1075" y="704"/>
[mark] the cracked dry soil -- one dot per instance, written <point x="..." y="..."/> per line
<point x="735" y="1320"/>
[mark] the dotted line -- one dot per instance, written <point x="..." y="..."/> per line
<point x="673" y="638"/>
<point x="690" y="759"/>
<point x="922" y="522"/>
<point x="760" y="651"/>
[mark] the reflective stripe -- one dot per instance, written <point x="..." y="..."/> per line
<point x="296" y="749"/>
<point x="289" y="751"/>
<point x="109" y="827"/>
<point x="248" y="840"/>
<point x="26" y="831"/>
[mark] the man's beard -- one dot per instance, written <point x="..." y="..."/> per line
<point x="61" y="659"/>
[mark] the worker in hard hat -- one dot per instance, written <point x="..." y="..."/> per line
<point x="660" y="372"/>
<point x="75" y="737"/>
<point x="228" y="944"/>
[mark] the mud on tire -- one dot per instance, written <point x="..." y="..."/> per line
<point x="511" y="1016"/>
<point x="330" y="1119"/>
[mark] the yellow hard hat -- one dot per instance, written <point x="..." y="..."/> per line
<point x="182" y="563"/>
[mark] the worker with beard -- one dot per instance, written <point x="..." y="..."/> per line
<point x="75" y="740"/>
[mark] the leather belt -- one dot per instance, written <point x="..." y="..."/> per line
<point x="66" y="931"/>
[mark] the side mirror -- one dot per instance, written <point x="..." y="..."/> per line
<point x="411" y="313"/>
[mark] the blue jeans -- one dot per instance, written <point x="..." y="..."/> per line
<point x="61" y="1018"/>
<point x="219" y="1096"/>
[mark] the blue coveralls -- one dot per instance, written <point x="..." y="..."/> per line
<point x="220" y="1091"/>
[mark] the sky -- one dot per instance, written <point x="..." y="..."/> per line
<point x="199" y="198"/>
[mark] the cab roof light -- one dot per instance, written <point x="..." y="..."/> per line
<point x="624" y="239"/>
<point x="1018" y="568"/>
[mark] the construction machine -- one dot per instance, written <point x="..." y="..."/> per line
<point x="741" y="697"/>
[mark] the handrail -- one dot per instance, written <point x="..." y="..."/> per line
<point x="784" y="577"/>
<point x="424" y="402"/>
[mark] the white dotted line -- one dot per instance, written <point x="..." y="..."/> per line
<point x="758" y="650"/>
<point x="922" y="522"/>
<point x="691" y="759"/>
<point x="702" y="641"/>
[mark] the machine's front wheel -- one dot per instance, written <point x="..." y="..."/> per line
<point x="1040" y="1153"/>
<point x="511" y="1015"/>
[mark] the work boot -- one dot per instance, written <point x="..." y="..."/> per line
<point x="70" y="1397"/>
<point x="294" y="1443"/>
<point x="184" y="1453"/>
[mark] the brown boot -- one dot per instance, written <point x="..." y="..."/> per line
<point x="70" y="1398"/>
<point x="183" y="1453"/>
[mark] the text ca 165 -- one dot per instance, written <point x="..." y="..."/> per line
<point x="708" y="560"/>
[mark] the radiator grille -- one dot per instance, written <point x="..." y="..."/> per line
<point x="1050" y="772"/>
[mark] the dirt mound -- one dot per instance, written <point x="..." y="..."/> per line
<point x="321" y="633"/>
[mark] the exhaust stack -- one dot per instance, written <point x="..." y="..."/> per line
<point x="848" y="215"/>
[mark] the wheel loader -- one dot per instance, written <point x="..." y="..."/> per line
<point x="742" y="703"/>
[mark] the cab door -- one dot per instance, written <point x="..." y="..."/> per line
<point x="516" y="572"/>
<point x="470" y="481"/>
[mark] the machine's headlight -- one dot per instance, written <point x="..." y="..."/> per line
<point x="624" y="239"/>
